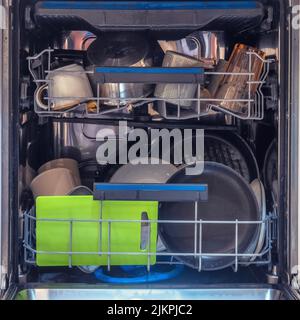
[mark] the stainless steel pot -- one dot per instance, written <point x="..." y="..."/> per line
<point x="178" y="94"/>
<point x="123" y="49"/>
<point x="208" y="47"/>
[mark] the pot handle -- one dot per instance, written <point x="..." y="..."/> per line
<point x="149" y="75"/>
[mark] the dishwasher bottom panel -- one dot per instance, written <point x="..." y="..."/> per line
<point x="70" y="292"/>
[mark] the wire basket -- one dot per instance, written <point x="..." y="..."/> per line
<point x="170" y="108"/>
<point x="261" y="258"/>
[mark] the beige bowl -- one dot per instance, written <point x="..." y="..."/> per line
<point x="66" y="163"/>
<point x="54" y="182"/>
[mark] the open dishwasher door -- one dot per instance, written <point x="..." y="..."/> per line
<point x="4" y="139"/>
<point x="294" y="194"/>
<point x="38" y="26"/>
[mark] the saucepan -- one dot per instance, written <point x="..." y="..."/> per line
<point x="122" y="49"/>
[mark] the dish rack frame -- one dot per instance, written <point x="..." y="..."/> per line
<point x="254" y="102"/>
<point x="152" y="192"/>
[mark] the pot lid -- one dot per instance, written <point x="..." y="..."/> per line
<point x="122" y="49"/>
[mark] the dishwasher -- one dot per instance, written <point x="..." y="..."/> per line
<point x="101" y="102"/>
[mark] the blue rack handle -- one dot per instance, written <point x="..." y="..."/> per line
<point x="151" y="192"/>
<point x="150" y="75"/>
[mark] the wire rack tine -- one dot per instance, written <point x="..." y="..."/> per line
<point x="236" y="245"/>
<point x="26" y="236"/>
<point x="71" y="244"/>
<point x="200" y="245"/>
<point x="178" y="102"/>
<point x="109" y="246"/>
<point x="98" y="95"/>
<point x="149" y="248"/>
<point x="199" y="102"/>
<point x="195" y="228"/>
<point x="249" y="85"/>
<point x="100" y="225"/>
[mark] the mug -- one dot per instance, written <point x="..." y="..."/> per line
<point x="66" y="163"/>
<point x="67" y="87"/>
<point x="54" y="182"/>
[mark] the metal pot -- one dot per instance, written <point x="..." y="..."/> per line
<point x="206" y="46"/>
<point x="122" y="49"/>
<point x="178" y="94"/>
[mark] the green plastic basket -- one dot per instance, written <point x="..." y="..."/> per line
<point x="53" y="237"/>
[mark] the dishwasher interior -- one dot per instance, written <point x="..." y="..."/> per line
<point x="86" y="66"/>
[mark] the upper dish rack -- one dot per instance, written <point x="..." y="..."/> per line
<point x="251" y="106"/>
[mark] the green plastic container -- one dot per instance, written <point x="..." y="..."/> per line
<point x="54" y="236"/>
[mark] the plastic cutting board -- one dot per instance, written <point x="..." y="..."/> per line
<point x="54" y="236"/>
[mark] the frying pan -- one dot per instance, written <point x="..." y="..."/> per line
<point x="229" y="198"/>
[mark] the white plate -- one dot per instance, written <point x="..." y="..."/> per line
<point x="144" y="173"/>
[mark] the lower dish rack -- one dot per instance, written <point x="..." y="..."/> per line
<point x="107" y="251"/>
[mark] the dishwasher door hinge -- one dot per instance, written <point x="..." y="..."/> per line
<point x="295" y="278"/>
<point x="296" y="283"/>
<point x="266" y="25"/>
<point x="29" y="24"/>
<point x="24" y="99"/>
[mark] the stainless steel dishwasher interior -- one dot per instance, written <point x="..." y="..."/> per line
<point x="68" y="135"/>
<point x="85" y="293"/>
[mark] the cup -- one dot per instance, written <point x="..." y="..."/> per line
<point x="54" y="182"/>
<point x="69" y="164"/>
<point x="66" y="87"/>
